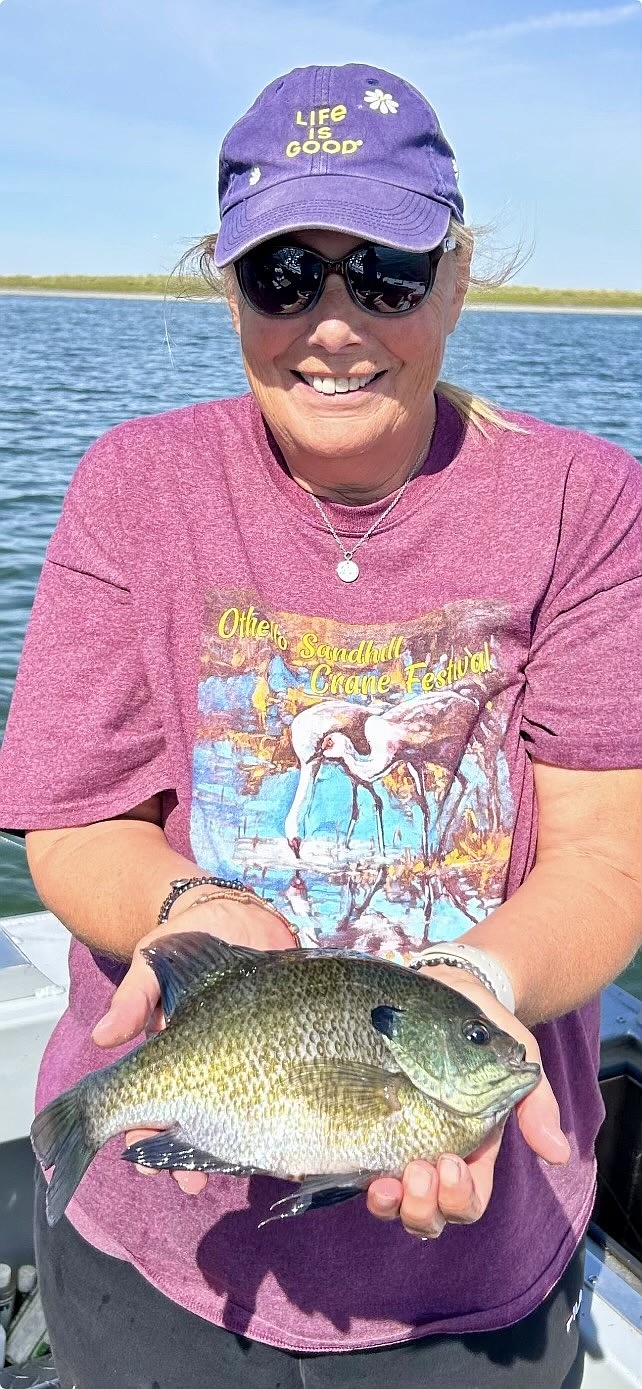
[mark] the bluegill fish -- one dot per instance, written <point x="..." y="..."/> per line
<point x="328" y="1069"/>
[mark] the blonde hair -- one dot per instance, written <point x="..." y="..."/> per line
<point x="198" y="262"/>
<point x="475" y="409"/>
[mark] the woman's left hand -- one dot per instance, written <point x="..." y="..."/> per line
<point x="457" y="1190"/>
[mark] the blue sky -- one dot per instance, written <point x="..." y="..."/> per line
<point x="112" y="113"/>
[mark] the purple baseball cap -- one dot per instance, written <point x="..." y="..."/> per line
<point x="352" y="149"/>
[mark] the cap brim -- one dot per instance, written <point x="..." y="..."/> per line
<point x="333" y="202"/>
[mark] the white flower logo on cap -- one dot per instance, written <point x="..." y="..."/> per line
<point x="255" y="174"/>
<point x="378" y="100"/>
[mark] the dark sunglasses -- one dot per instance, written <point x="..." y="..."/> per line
<point x="278" y="277"/>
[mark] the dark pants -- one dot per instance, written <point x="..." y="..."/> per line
<point x="110" y="1329"/>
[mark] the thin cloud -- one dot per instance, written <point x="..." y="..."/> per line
<point x="558" y="19"/>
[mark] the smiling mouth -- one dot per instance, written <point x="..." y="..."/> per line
<point x="338" y="385"/>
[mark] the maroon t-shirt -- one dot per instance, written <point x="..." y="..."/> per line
<point x="359" y="753"/>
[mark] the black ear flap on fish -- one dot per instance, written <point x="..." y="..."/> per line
<point x="406" y="1032"/>
<point x="386" y="1020"/>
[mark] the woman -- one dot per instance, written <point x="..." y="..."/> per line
<point x="400" y="600"/>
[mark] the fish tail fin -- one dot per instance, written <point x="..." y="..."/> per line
<point x="59" y="1140"/>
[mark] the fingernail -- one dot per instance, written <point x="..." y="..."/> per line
<point x="386" y="1203"/>
<point x="419" y="1181"/>
<point x="102" y="1027"/>
<point x="449" y="1170"/>
<point x="560" y="1141"/>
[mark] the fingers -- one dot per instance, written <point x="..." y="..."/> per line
<point x="419" y="1211"/>
<point x="156" y="1022"/>
<point x="538" y="1117"/>
<point x="189" y="1182"/>
<point x="460" y="1200"/>
<point x="431" y="1197"/>
<point x="384" y="1197"/>
<point x="132" y="1007"/>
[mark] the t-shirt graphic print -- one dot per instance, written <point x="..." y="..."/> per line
<point x="355" y="776"/>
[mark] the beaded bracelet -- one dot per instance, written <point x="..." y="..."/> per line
<point x="235" y="896"/>
<point x="181" y="885"/>
<point x="470" y="958"/>
<point x="423" y="963"/>
<point x="475" y="961"/>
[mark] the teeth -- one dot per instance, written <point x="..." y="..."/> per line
<point x="337" y="385"/>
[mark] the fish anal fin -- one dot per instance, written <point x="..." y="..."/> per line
<point x="371" y="1091"/>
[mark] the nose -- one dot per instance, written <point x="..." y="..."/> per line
<point x="334" y="320"/>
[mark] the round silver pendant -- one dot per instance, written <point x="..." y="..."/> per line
<point x="348" y="571"/>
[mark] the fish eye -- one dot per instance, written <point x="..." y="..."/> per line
<point x="477" y="1032"/>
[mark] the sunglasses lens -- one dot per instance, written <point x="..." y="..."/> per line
<point x="280" y="279"/>
<point x="388" y="281"/>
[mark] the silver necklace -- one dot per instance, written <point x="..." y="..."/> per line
<point x="347" y="568"/>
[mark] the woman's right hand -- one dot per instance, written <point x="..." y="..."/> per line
<point x="135" y="1006"/>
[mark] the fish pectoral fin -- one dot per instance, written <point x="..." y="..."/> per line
<point x="371" y="1090"/>
<point x="328" y="1189"/>
<point x="173" y="1150"/>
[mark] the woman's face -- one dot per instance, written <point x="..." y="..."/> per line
<point x="336" y="339"/>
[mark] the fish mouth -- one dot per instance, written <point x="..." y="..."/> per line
<point x="519" y="1055"/>
<point x="522" y="1077"/>
<point x="517" y="1066"/>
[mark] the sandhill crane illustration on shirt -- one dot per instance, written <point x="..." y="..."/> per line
<point x="356" y="777"/>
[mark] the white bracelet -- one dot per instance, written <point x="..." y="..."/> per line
<point x="485" y="967"/>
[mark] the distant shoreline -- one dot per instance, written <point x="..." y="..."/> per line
<point x="491" y="306"/>
<point x="507" y="298"/>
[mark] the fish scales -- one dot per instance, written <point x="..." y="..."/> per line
<point x="292" y="1063"/>
<point x="227" y="1080"/>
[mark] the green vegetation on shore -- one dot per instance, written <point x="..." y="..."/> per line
<point x="108" y="284"/>
<point x="532" y="297"/>
<point x="527" y="296"/>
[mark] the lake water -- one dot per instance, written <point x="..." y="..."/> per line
<point x="73" y="367"/>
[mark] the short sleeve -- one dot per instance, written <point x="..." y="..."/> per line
<point x="582" y="705"/>
<point x="84" y="740"/>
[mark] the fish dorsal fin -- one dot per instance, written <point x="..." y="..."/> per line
<point x="369" y="1090"/>
<point x="189" y="960"/>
